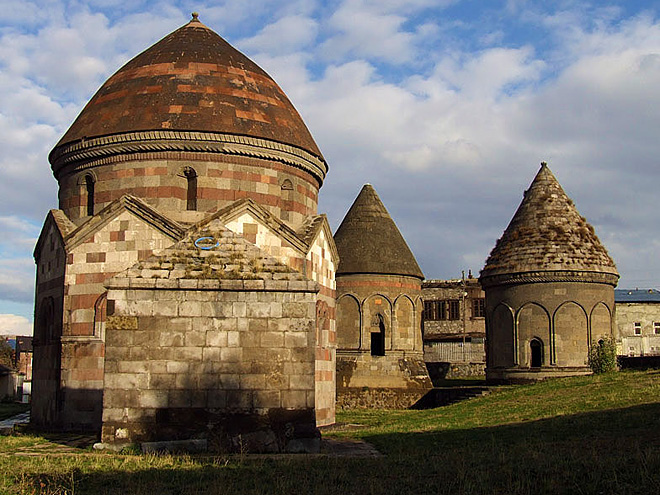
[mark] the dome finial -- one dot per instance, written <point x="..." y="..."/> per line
<point x="195" y="16"/>
<point x="544" y="164"/>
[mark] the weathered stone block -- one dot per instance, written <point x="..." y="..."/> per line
<point x="171" y="339"/>
<point x="216" y="399"/>
<point x="294" y="399"/>
<point x="231" y="354"/>
<point x="295" y="310"/>
<point x="177" y="367"/>
<point x="121" y="323"/>
<point x="297" y="339"/>
<point x="153" y="398"/>
<point x="133" y="366"/>
<point x="301" y="382"/>
<point x="258" y="310"/>
<point x="266" y="399"/>
<point x="162" y="381"/>
<point x="257" y="324"/>
<point x="253" y="382"/>
<point x="233" y="339"/>
<point x="239" y="309"/>
<point x="211" y="354"/>
<point x="230" y="382"/>
<point x="195" y="339"/>
<point x="272" y="339"/>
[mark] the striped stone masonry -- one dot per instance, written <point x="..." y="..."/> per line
<point x="200" y="333"/>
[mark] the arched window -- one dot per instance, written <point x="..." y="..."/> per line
<point x="191" y="188"/>
<point x="378" y="335"/>
<point x="45" y="330"/>
<point x="287" y="198"/>
<point x="100" y="312"/>
<point x="89" y="187"/>
<point x="536" y="349"/>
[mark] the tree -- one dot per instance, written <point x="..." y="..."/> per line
<point x="602" y="356"/>
<point x="6" y="354"/>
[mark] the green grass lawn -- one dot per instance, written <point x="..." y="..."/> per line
<point x="587" y="435"/>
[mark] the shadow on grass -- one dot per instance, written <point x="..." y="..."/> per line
<point x="615" y="451"/>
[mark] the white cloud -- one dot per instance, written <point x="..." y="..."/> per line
<point x="450" y="149"/>
<point x="17" y="279"/>
<point x="15" y="325"/>
<point x="368" y="34"/>
<point x="286" y="35"/>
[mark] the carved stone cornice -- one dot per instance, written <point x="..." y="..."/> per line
<point x="532" y="277"/>
<point x="88" y="153"/>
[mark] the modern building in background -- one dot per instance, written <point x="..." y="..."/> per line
<point x="638" y="322"/>
<point x="454" y="327"/>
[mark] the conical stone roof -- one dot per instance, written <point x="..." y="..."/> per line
<point x="191" y="80"/>
<point x="368" y="240"/>
<point x="547" y="237"/>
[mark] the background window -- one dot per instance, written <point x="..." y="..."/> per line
<point x="478" y="308"/>
<point x="637" y="327"/>
<point x="454" y="310"/>
<point x="656" y="327"/>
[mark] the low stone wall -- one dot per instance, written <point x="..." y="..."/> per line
<point x="380" y="382"/>
<point x="442" y="370"/>
<point x="378" y="398"/>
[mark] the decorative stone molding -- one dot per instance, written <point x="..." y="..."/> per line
<point x="549" y="276"/>
<point x="85" y="153"/>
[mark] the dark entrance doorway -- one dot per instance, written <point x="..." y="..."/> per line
<point x="536" y="347"/>
<point x="378" y="335"/>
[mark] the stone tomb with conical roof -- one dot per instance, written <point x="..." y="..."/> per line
<point x="549" y="286"/>
<point x="379" y="342"/>
<point x="189" y="133"/>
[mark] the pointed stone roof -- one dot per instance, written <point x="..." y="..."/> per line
<point x="190" y="81"/>
<point x="547" y="234"/>
<point x="368" y="240"/>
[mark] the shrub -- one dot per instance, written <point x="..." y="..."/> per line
<point x="602" y="356"/>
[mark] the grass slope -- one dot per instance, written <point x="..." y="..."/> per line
<point x="582" y="435"/>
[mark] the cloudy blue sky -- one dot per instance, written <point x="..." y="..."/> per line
<point x="445" y="106"/>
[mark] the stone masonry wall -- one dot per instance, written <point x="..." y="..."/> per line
<point x="369" y="303"/>
<point x="181" y="363"/>
<point x="158" y="179"/>
<point x="115" y="246"/>
<point x="565" y="317"/>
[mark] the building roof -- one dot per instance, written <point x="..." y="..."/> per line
<point x="23" y="344"/>
<point x="191" y="80"/>
<point x="548" y="234"/>
<point x="636" y="295"/>
<point x="368" y="240"/>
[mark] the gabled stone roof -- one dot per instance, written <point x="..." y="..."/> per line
<point x="191" y="80"/>
<point x="213" y="257"/>
<point x="62" y="224"/>
<point x="547" y="234"/>
<point x="368" y="240"/>
<point x="136" y="206"/>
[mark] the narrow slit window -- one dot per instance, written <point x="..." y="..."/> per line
<point x="191" y="188"/>
<point x="89" y="186"/>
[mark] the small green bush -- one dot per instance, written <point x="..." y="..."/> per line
<point x="602" y="356"/>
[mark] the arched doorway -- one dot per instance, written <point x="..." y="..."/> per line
<point x="378" y="335"/>
<point x="536" y="353"/>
